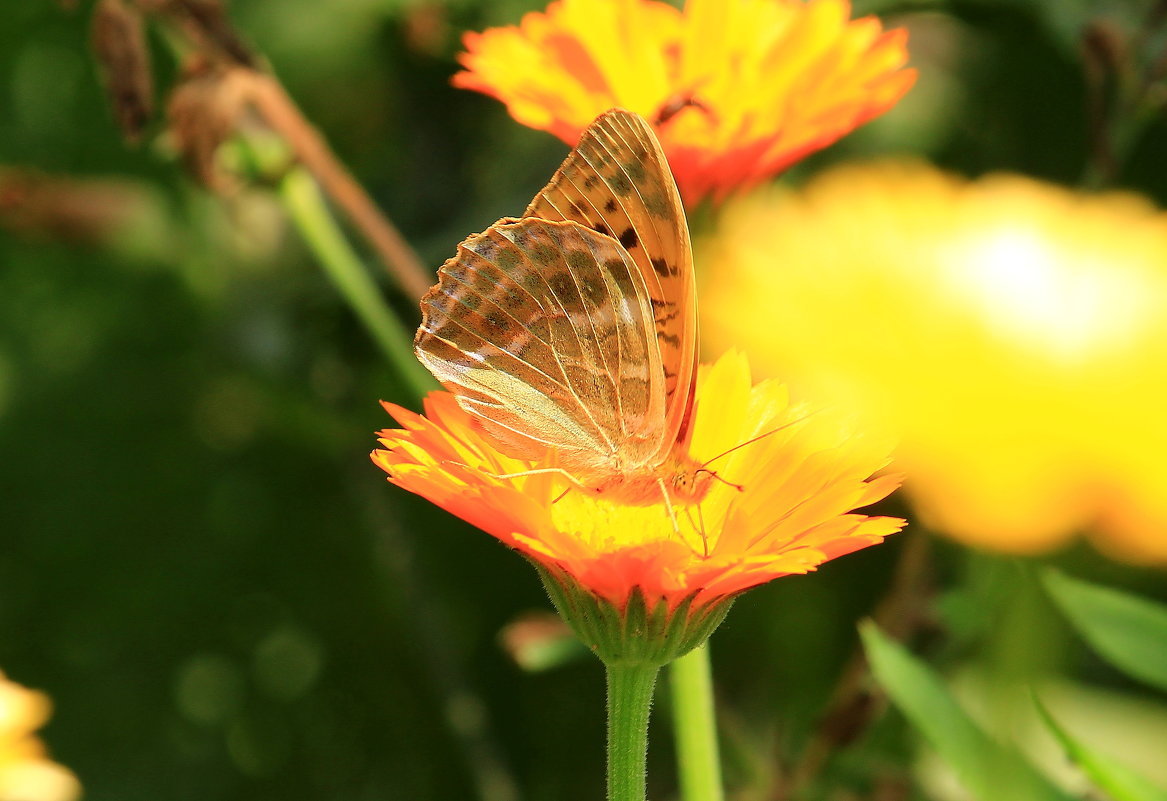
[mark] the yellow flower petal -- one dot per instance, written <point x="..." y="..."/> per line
<point x="1010" y="333"/>
<point x="26" y="773"/>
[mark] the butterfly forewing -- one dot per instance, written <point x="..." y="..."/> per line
<point x="617" y="182"/>
<point x="545" y="332"/>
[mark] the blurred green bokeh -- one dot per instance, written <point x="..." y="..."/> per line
<point x="197" y="561"/>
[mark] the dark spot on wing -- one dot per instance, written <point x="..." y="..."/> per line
<point x="635" y="170"/>
<point x="563" y="285"/>
<point x="508" y="258"/>
<point x="520" y="236"/>
<point x="579" y="260"/>
<point x="600" y="228"/>
<point x="658" y="206"/>
<point x="486" y="247"/>
<point x="470" y="300"/>
<point x="511" y="300"/>
<point x="661" y="267"/>
<point x="620" y="184"/>
<point x="543" y="254"/>
<point x="455" y="269"/>
<point x="624" y="282"/>
<point x="483" y="282"/>
<point x="593" y="289"/>
<point x="610" y="206"/>
<point x="496" y="325"/>
<point x="628" y="238"/>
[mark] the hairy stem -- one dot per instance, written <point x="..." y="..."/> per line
<point x="629" y="701"/>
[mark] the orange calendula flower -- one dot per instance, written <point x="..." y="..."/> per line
<point x="782" y="504"/>
<point x="737" y="91"/>
<point x="26" y="772"/>
<point x="1011" y="334"/>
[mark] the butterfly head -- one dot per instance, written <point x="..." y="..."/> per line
<point x="680" y="477"/>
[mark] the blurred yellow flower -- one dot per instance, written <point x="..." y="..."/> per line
<point x="1012" y="334"/>
<point x="26" y="772"/>
<point x="787" y="510"/>
<point x="737" y="91"/>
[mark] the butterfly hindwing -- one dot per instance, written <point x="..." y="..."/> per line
<point x="617" y="182"/>
<point x="545" y="331"/>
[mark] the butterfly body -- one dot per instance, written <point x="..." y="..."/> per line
<point x="570" y="334"/>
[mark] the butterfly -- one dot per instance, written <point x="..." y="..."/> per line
<point x="573" y="329"/>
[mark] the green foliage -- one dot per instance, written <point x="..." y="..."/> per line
<point x="223" y="597"/>
<point x="1128" y="631"/>
<point x="986" y="768"/>
<point x="1113" y="778"/>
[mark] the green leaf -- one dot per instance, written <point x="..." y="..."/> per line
<point x="988" y="770"/>
<point x="1116" y="780"/>
<point x="1128" y="631"/>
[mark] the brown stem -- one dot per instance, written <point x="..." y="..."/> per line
<point x="1124" y="93"/>
<point x="1156" y="19"/>
<point x="1100" y="62"/>
<point x="205" y="24"/>
<point x="852" y="706"/>
<point x="272" y="101"/>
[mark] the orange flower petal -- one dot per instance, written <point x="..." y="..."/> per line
<point x="770" y="80"/>
<point x="799" y="483"/>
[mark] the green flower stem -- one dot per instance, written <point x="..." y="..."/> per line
<point x="695" y="727"/>
<point x="629" y="701"/>
<point x="316" y="224"/>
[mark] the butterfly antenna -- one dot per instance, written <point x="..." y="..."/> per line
<point x="714" y="474"/>
<point x="752" y="440"/>
<point x="677" y="103"/>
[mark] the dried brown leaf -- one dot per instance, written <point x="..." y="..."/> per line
<point x="85" y="212"/>
<point x="203" y="112"/>
<point x="119" y="44"/>
<point x="206" y="23"/>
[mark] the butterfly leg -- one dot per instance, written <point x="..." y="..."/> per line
<point x="664" y="491"/>
<point x="541" y="471"/>
<point x="572" y="480"/>
<point x="701" y="529"/>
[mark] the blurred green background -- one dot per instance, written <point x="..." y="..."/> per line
<point x="197" y="560"/>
